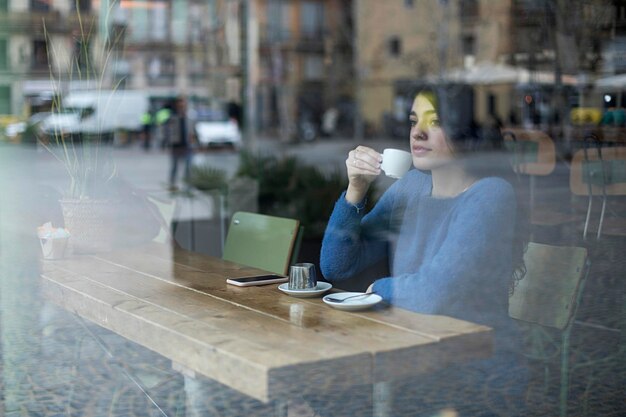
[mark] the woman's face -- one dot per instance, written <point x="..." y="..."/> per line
<point x="429" y="147"/>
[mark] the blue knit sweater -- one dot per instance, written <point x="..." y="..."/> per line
<point x="449" y="256"/>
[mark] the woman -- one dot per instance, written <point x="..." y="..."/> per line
<point x="452" y="232"/>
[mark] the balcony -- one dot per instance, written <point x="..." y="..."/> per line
<point x="162" y="80"/>
<point x="33" y="22"/>
<point x="198" y="80"/>
<point x="312" y="40"/>
<point x="270" y="36"/>
<point x="38" y="70"/>
<point x="469" y="12"/>
<point x="527" y="14"/>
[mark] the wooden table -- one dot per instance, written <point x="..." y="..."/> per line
<point x="256" y="340"/>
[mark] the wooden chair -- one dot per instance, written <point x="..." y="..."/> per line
<point x="166" y="210"/>
<point x="600" y="171"/>
<point x="548" y="296"/>
<point x="534" y="155"/>
<point x="190" y="220"/>
<point x="534" y="152"/>
<point x="261" y="241"/>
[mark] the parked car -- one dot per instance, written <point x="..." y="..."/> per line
<point x="13" y="130"/>
<point x="98" y="112"/>
<point x="26" y="131"/>
<point x="215" y="128"/>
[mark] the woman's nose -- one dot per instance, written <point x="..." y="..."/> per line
<point x="418" y="133"/>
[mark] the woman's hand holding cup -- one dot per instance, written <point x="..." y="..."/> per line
<point x="363" y="166"/>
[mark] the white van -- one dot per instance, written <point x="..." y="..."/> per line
<point x="98" y="112"/>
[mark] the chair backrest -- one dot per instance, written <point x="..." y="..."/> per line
<point x="597" y="168"/>
<point x="534" y="152"/>
<point x="549" y="292"/>
<point x="261" y="241"/>
<point x="166" y="209"/>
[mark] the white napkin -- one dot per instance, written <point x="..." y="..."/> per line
<point x="46" y="231"/>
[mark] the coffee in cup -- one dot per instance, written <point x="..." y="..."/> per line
<point x="396" y="163"/>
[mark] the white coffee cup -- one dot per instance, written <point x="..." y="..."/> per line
<point x="396" y="163"/>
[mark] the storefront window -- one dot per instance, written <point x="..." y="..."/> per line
<point x="312" y="19"/>
<point x="132" y="132"/>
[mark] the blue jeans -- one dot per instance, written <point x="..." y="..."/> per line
<point x="183" y="155"/>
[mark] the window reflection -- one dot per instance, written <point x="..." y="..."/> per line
<point x="276" y="93"/>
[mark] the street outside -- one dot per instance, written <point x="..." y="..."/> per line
<point x="148" y="170"/>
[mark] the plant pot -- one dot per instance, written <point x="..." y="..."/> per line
<point x="92" y="224"/>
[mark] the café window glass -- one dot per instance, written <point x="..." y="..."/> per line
<point x="161" y="70"/>
<point x="5" y="99"/>
<point x="468" y="44"/>
<point x="81" y="54"/>
<point x="195" y="22"/>
<point x="395" y="46"/>
<point x="313" y="67"/>
<point x="469" y="9"/>
<point x="312" y="19"/>
<point x="40" y="55"/>
<point x="278" y="21"/>
<point x="4" y="57"/>
<point x="82" y="5"/>
<point x="39" y="5"/>
<point x="159" y="20"/>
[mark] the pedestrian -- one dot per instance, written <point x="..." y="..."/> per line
<point x="180" y="141"/>
<point x="234" y="112"/>
<point x="452" y="230"/>
<point x="147" y="122"/>
<point x="161" y="119"/>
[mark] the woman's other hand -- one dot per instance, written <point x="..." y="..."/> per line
<point x="363" y="166"/>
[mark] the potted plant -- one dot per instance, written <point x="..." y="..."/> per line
<point x="239" y="193"/>
<point x="208" y="179"/>
<point x="91" y="201"/>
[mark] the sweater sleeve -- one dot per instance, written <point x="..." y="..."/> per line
<point x="354" y="240"/>
<point x="472" y="263"/>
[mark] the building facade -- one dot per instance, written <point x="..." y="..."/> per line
<point x="291" y="60"/>
<point x="37" y="45"/>
<point x="301" y="63"/>
<point x="164" y="47"/>
<point x="404" y="45"/>
<point x="169" y="47"/>
<point x="513" y="54"/>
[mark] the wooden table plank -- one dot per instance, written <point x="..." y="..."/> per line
<point x="435" y="327"/>
<point x="256" y="340"/>
<point x="343" y="334"/>
<point x="217" y="352"/>
<point x="311" y="353"/>
<point x="352" y="330"/>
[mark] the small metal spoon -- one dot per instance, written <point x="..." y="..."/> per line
<point x="341" y="300"/>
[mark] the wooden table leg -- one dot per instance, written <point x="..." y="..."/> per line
<point x="382" y="399"/>
<point x="281" y="408"/>
<point x="193" y="397"/>
<point x="194" y="392"/>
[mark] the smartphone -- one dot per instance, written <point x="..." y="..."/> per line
<point x="257" y="280"/>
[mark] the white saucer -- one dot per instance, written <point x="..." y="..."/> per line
<point x="319" y="289"/>
<point x="357" y="303"/>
